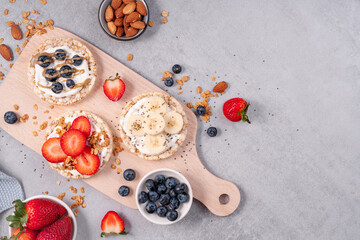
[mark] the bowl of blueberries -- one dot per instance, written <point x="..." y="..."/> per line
<point x="164" y="196"/>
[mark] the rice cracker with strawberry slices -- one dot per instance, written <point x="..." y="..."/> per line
<point x="78" y="144"/>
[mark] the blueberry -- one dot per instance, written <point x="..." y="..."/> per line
<point x="60" y="54"/>
<point x="66" y="71"/>
<point x="150" y="185"/>
<point x="212" y="131"/>
<point x="159" y="179"/>
<point x="51" y="75"/>
<point x="172" y="193"/>
<point x="171" y="182"/>
<point x="161" y="211"/>
<point x="143" y="197"/>
<point x="57" y="87"/>
<point x="70" y="83"/>
<point x="44" y="61"/>
<point x="150" y="207"/>
<point x="201" y="110"/>
<point x="161" y="188"/>
<point x="124" y="191"/>
<point x="172" y="215"/>
<point x="180" y="188"/>
<point x="164" y="199"/>
<point x="174" y="203"/>
<point x="10" y="117"/>
<point x="176" y="68"/>
<point x="183" y="197"/>
<point x="129" y="174"/>
<point x="77" y="60"/>
<point x="153" y="196"/>
<point x="169" y="82"/>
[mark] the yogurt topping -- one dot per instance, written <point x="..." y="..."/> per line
<point x="138" y="141"/>
<point x="80" y="78"/>
<point x="94" y="128"/>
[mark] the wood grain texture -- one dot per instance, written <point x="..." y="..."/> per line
<point x="16" y="89"/>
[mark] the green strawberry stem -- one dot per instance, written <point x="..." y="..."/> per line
<point x="243" y="115"/>
<point x="19" y="218"/>
<point x="104" y="233"/>
<point x="113" y="79"/>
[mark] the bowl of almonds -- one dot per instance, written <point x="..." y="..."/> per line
<point x="124" y="19"/>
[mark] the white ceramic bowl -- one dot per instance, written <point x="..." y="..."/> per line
<point x="182" y="210"/>
<point x="54" y="199"/>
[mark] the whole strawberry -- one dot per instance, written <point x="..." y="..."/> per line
<point x="36" y="214"/>
<point x="59" y="230"/>
<point x="235" y="110"/>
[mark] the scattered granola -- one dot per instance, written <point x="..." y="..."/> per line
<point x="113" y="166"/>
<point x="43" y="2"/>
<point x="35" y="106"/>
<point x="117" y="161"/>
<point x="35" y="133"/>
<point x="24" y="118"/>
<point x="6" y="12"/>
<point x="130" y="57"/>
<point x="58" y="182"/>
<point x="16" y="107"/>
<point x="81" y="189"/>
<point x="151" y="23"/>
<point x="164" y="20"/>
<point x="118" y="170"/>
<point x="43" y="125"/>
<point x="164" y="13"/>
<point x="61" y="196"/>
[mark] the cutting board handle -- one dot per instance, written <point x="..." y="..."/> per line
<point x="221" y="197"/>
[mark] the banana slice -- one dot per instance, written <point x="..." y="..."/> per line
<point x="155" y="105"/>
<point x="134" y="125"/>
<point x="173" y="122"/>
<point x="154" y="124"/>
<point x="155" y="144"/>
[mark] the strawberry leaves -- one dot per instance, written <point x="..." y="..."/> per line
<point x="104" y="233"/>
<point x="20" y="216"/>
<point x="243" y="115"/>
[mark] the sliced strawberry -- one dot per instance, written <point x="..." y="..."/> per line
<point x="87" y="163"/>
<point x="73" y="142"/>
<point x="112" y="223"/>
<point x="52" y="152"/>
<point x="82" y="124"/>
<point x="114" y="88"/>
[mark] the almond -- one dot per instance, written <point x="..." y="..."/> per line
<point x="109" y="14"/>
<point x="16" y="32"/>
<point x="131" y="32"/>
<point x="5" y="52"/>
<point x="111" y="26"/>
<point x="125" y="24"/>
<point x="120" y="31"/>
<point x="129" y="8"/>
<point x="128" y="1"/>
<point x="140" y="8"/>
<point x="119" y="22"/>
<point x="133" y="17"/>
<point x="138" y="25"/>
<point x="119" y="11"/>
<point x="115" y="4"/>
<point x="220" y="87"/>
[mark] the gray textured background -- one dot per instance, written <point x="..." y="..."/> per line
<point x="297" y="62"/>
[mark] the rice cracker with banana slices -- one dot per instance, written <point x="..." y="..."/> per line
<point x="153" y="125"/>
<point x="99" y="144"/>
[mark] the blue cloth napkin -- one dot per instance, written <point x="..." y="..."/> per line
<point x="10" y="190"/>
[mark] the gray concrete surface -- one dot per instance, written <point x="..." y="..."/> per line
<point x="297" y="62"/>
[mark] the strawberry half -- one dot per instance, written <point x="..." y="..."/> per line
<point x="83" y="125"/>
<point x="114" y="88"/>
<point x="59" y="230"/>
<point x="87" y="163"/>
<point x="235" y="109"/>
<point x="52" y="151"/>
<point x="26" y="234"/>
<point x="112" y="224"/>
<point x="73" y="142"/>
<point x="36" y="214"/>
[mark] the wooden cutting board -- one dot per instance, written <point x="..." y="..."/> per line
<point x="16" y="89"/>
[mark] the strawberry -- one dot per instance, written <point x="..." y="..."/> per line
<point x="27" y="234"/>
<point x="36" y="214"/>
<point x="87" y="163"/>
<point x="235" y="110"/>
<point x="52" y="152"/>
<point x="59" y="230"/>
<point x="83" y="125"/>
<point x="112" y="223"/>
<point x="114" y="88"/>
<point x="73" y="142"/>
